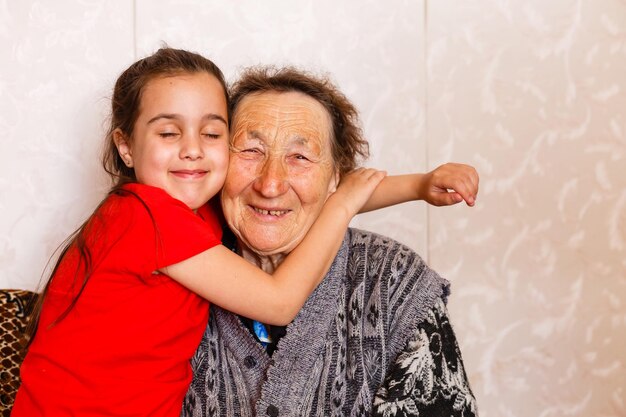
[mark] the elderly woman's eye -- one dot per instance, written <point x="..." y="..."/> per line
<point x="300" y="157"/>
<point x="251" y="150"/>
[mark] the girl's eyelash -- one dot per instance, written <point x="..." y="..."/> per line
<point x="171" y="134"/>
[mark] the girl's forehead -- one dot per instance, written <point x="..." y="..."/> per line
<point x="197" y="79"/>
<point x="186" y="94"/>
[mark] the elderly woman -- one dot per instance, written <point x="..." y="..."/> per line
<point x="374" y="337"/>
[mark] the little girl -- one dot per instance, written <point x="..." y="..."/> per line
<point x="126" y="305"/>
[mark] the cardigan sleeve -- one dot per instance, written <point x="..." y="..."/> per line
<point x="427" y="377"/>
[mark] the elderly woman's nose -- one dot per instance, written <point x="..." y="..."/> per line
<point x="272" y="178"/>
<point x="191" y="147"/>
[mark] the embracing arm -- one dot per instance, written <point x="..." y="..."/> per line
<point x="446" y="185"/>
<point x="428" y="376"/>
<point x="228" y="280"/>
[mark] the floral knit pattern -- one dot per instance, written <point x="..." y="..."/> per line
<point x="428" y="378"/>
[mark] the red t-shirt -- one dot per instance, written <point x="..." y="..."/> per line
<point x="124" y="348"/>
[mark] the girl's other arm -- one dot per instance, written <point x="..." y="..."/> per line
<point x="233" y="283"/>
<point x="444" y="186"/>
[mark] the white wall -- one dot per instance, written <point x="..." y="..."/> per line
<point x="531" y="93"/>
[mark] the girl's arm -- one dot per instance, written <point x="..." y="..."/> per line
<point x="446" y="185"/>
<point x="233" y="283"/>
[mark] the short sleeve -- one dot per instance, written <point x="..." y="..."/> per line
<point x="155" y="230"/>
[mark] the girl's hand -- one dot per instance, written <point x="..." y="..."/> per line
<point x="450" y="184"/>
<point x="355" y="189"/>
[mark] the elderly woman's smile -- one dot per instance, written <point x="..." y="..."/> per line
<point x="281" y="170"/>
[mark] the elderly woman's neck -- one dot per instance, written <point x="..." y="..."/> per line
<point x="267" y="263"/>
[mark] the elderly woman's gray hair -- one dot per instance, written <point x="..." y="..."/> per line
<point x="347" y="142"/>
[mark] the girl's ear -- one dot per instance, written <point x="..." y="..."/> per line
<point x="123" y="147"/>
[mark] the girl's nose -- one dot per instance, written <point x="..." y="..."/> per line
<point x="191" y="147"/>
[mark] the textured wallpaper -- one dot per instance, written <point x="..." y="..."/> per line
<point x="532" y="93"/>
<point x="59" y="62"/>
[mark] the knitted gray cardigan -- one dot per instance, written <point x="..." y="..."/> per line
<point x="338" y="351"/>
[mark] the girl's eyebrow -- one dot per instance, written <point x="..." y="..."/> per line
<point x="174" y="116"/>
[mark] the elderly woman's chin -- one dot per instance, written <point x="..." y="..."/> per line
<point x="264" y="239"/>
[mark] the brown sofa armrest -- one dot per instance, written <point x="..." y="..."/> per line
<point x="15" y="309"/>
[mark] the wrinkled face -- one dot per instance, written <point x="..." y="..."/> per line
<point x="180" y="138"/>
<point x="281" y="170"/>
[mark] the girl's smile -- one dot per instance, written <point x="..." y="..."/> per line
<point x="190" y="174"/>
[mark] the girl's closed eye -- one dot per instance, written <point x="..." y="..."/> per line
<point x="212" y="135"/>
<point x="168" y="134"/>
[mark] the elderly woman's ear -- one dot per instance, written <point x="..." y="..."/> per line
<point x="334" y="182"/>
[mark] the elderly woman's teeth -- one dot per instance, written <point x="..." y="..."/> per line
<point x="270" y="212"/>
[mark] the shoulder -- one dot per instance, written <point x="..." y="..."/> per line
<point x="379" y="260"/>
<point x="125" y="211"/>
<point x="389" y="287"/>
<point x="133" y="199"/>
<point x="381" y="248"/>
<point x="129" y="219"/>
<point x="146" y="196"/>
<point x="151" y="206"/>
<point x="148" y="213"/>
